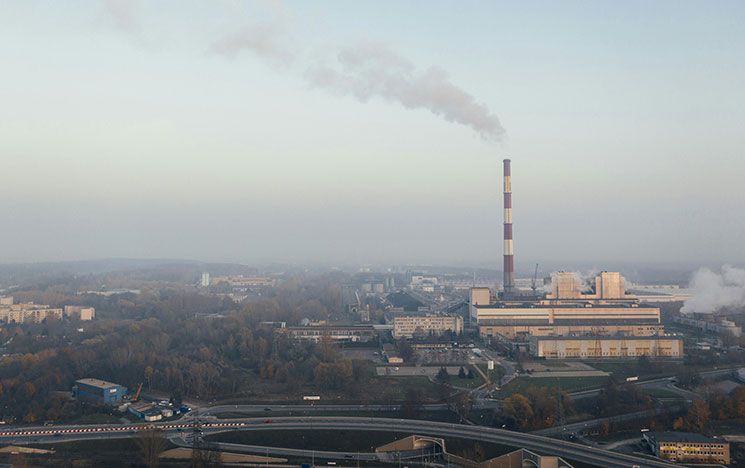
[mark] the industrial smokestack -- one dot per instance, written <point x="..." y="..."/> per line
<point x="509" y="260"/>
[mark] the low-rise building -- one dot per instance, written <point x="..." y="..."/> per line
<point x="602" y="347"/>
<point x="147" y="411"/>
<point x="408" y="326"/>
<point x="722" y="327"/>
<point x="686" y="447"/>
<point x="335" y="333"/>
<point x="99" y="392"/>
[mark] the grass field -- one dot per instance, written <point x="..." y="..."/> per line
<point x="568" y="384"/>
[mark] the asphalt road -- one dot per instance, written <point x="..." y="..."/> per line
<point x="542" y="444"/>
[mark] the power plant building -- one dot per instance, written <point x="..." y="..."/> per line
<point x="605" y="309"/>
<point x="605" y="347"/>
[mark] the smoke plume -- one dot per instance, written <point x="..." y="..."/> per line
<point x="263" y="40"/>
<point x="122" y="12"/>
<point x="714" y="290"/>
<point x="371" y="71"/>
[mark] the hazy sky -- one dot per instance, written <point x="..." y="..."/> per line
<point x="372" y="131"/>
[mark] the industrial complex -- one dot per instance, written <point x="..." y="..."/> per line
<point x="575" y="318"/>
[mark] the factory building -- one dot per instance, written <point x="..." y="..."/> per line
<point x="409" y="326"/>
<point x="605" y="347"/>
<point x="686" y="447"/>
<point x="723" y="327"/>
<point x="335" y="333"/>
<point x="98" y="392"/>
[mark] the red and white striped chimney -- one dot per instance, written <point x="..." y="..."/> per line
<point x="509" y="260"/>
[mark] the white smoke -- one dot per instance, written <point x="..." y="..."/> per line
<point x="713" y="290"/>
<point x="265" y="41"/>
<point x="367" y="71"/>
<point x="370" y="70"/>
<point x="122" y="12"/>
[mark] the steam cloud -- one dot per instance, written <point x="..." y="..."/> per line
<point x="123" y="13"/>
<point x="371" y="70"/>
<point x="264" y="41"/>
<point x="714" y="290"/>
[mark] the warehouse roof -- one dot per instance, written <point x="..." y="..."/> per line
<point x="607" y="337"/>
<point x="683" y="437"/>
<point x="97" y="383"/>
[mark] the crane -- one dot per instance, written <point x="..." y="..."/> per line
<point x="136" y="396"/>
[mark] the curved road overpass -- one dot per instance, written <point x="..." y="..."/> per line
<point x="540" y="444"/>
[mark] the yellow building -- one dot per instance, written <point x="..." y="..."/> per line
<point x="28" y="313"/>
<point x="602" y="347"/>
<point x="686" y="447"/>
<point x="410" y="325"/>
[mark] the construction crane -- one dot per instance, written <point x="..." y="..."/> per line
<point x="136" y="396"/>
<point x="534" y="281"/>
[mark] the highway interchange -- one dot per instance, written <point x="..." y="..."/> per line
<point x="178" y="430"/>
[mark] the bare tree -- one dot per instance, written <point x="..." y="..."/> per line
<point x="151" y="442"/>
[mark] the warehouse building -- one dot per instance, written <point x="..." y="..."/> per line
<point x="686" y="447"/>
<point x="99" y="392"/>
<point x="409" y="326"/>
<point x="605" y="347"/>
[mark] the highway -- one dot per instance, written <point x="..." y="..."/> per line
<point x="268" y="410"/>
<point x="591" y="423"/>
<point x="541" y="444"/>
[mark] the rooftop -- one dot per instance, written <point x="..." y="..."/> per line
<point x="97" y="383"/>
<point x="608" y="337"/>
<point x="683" y="437"/>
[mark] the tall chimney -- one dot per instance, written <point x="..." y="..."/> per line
<point x="509" y="260"/>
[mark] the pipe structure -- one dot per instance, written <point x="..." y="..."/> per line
<point x="508" y="281"/>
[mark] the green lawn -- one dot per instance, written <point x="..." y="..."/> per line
<point x="568" y="384"/>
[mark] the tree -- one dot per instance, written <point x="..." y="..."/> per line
<point x="151" y="443"/>
<point x="412" y="405"/>
<point x="442" y="376"/>
<point x="679" y="423"/>
<point x="518" y="407"/>
<point x="470" y="374"/>
<point x="604" y="428"/>
<point x="643" y="364"/>
<point x="698" y="415"/>
<point x="461" y="373"/>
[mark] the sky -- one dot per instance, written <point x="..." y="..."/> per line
<point x="337" y="131"/>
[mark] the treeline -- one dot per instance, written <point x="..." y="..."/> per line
<point x="164" y="340"/>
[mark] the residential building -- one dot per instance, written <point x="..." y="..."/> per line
<point x="605" y="347"/>
<point x="26" y="312"/>
<point x="82" y="313"/>
<point x="99" y="392"/>
<point x="408" y="326"/>
<point x="686" y="447"/>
